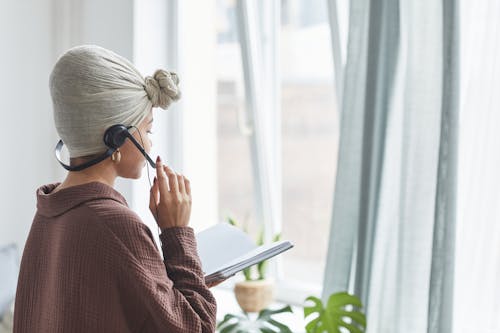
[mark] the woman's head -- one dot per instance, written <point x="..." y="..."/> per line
<point x="93" y="88"/>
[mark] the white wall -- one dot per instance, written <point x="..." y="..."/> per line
<point x="32" y="35"/>
<point x="27" y="138"/>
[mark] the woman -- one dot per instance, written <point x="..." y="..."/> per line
<point x="89" y="263"/>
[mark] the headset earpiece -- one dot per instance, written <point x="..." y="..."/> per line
<point x="115" y="136"/>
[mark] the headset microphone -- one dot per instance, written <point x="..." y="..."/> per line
<point x="114" y="138"/>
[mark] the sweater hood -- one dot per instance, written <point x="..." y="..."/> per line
<point x="53" y="204"/>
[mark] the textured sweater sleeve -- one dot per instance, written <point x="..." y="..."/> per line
<point x="173" y="291"/>
<point x="184" y="269"/>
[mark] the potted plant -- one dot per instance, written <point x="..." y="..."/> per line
<point x="256" y="292"/>
<point x="342" y="313"/>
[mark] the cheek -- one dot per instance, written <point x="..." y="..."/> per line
<point x="144" y="138"/>
<point x="146" y="143"/>
<point x="130" y="152"/>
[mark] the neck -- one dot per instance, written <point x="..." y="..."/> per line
<point x="102" y="172"/>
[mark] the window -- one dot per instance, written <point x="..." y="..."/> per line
<point x="310" y="137"/>
<point x="234" y="164"/>
<point x="275" y="161"/>
<point x="307" y="139"/>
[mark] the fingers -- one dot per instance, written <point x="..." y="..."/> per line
<point x="184" y="185"/>
<point x="187" y="184"/>
<point x="176" y="182"/>
<point x="153" y="198"/>
<point x="162" y="178"/>
<point x="180" y="181"/>
<point x="172" y="179"/>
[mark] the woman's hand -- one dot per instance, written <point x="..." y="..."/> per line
<point x="170" y="208"/>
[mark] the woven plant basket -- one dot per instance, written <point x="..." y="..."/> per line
<point x="253" y="296"/>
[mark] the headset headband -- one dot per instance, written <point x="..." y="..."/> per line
<point x="114" y="137"/>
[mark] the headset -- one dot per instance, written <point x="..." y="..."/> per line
<point x="114" y="138"/>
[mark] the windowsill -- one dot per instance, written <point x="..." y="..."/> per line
<point x="226" y="303"/>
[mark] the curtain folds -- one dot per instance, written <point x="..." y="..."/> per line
<point x="393" y="219"/>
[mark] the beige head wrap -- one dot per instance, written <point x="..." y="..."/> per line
<point x="93" y="88"/>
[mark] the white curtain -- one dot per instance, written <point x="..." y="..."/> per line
<point x="392" y="234"/>
<point x="477" y="286"/>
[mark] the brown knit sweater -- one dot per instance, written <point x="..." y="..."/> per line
<point x="91" y="265"/>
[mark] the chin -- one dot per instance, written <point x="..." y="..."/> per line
<point x="134" y="175"/>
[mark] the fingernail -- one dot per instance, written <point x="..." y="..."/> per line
<point x="158" y="159"/>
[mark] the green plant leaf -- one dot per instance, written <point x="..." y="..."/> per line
<point x="260" y="237"/>
<point x="261" y="269"/>
<point x="350" y="327"/>
<point x="263" y="323"/>
<point x="262" y="266"/>
<point x="337" y="308"/>
<point x="229" y="317"/>
<point x="232" y="221"/>
<point x="282" y="327"/>
<point x="312" y="326"/>
<point x="343" y="299"/>
<point x="355" y="316"/>
<point x="232" y="328"/>
<point x="267" y="313"/>
<point x="267" y="330"/>
<point x="247" y="272"/>
<point x="317" y="307"/>
<point x="341" y="311"/>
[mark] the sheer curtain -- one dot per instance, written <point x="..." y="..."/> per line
<point x="393" y="223"/>
<point x="477" y="287"/>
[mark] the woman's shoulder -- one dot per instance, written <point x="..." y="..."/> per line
<point x="121" y="221"/>
<point x="115" y="214"/>
<point x="124" y="224"/>
<point x="111" y="210"/>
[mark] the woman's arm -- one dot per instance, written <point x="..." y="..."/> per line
<point x="184" y="269"/>
<point x="173" y="292"/>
